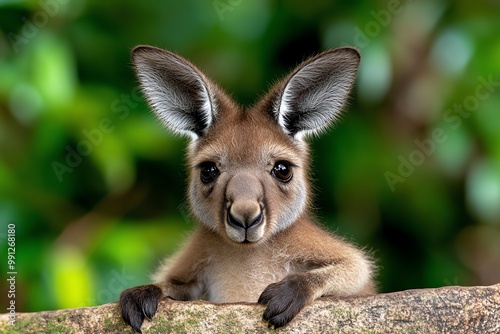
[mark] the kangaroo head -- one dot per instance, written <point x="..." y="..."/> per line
<point x="248" y="169"/>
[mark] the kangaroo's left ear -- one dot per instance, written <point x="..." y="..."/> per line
<point x="312" y="96"/>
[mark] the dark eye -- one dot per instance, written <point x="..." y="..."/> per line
<point x="282" y="170"/>
<point x="209" y="172"/>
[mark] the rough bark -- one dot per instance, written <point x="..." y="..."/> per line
<point x="444" y="310"/>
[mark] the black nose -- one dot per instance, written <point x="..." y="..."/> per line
<point x="246" y="224"/>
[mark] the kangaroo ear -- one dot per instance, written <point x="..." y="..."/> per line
<point x="312" y="96"/>
<point x="176" y="90"/>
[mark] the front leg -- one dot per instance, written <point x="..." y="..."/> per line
<point x="141" y="302"/>
<point x="178" y="278"/>
<point x="138" y="303"/>
<point x="286" y="298"/>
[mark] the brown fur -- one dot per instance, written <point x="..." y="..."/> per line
<point x="285" y="261"/>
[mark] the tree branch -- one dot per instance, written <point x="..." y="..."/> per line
<point x="444" y="310"/>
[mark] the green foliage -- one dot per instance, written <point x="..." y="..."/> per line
<point x="95" y="186"/>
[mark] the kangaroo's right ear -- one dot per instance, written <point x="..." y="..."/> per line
<point x="178" y="92"/>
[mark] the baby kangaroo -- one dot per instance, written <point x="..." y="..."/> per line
<point x="249" y="190"/>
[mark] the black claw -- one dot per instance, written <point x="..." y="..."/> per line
<point x="139" y="303"/>
<point x="149" y="308"/>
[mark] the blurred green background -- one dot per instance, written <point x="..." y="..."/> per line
<point x="95" y="186"/>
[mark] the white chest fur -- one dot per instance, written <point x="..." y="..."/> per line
<point x="242" y="277"/>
